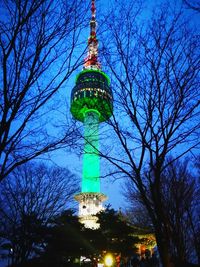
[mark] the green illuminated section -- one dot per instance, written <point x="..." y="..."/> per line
<point x="91" y="164"/>
<point x="93" y="71"/>
<point x="80" y="106"/>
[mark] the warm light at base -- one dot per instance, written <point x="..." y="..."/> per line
<point x="108" y="260"/>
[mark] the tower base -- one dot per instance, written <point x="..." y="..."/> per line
<point x="90" y="204"/>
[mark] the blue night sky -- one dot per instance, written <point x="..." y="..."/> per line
<point x="59" y="107"/>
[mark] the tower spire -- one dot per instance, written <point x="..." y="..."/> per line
<point x="91" y="61"/>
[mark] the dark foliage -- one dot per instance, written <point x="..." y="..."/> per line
<point x="65" y="240"/>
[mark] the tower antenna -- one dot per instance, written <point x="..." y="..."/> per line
<point x="91" y="61"/>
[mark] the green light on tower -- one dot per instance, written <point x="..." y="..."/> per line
<point x="91" y="164"/>
<point x="91" y="103"/>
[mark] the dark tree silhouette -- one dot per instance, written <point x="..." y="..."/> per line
<point x="37" y="56"/>
<point x="180" y="194"/>
<point x="66" y="240"/>
<point x="192" y="4"/>
<point x="118" y="234"/>
<point x="29" y="198"/>
<point x="155" y="78"/>
<point x="69" y="239"/>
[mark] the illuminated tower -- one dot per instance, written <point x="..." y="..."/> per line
<point x="91" y="103"/>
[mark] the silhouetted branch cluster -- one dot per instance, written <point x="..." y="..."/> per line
<point x="30" y="197"/>
<point x="38" y="40"/>
<point x="155" y="71"/>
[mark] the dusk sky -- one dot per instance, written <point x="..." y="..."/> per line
<point x="99" y="98"/>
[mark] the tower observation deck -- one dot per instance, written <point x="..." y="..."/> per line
<point x="91" y="103"/>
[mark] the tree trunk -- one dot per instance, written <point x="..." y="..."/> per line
<point x="164" y="252"/>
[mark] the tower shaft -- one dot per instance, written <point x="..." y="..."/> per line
<point x="90" y="199"/>
<point x="91" y="164"/>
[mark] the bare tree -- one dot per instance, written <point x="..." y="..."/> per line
<point x="136" y="210"/>
<point x="180" y="194"/>
<point x="30" y="197"/>
<point x="192" y="4"/>
<point x="38" y="41"/>
<point x="155" y="77"/>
